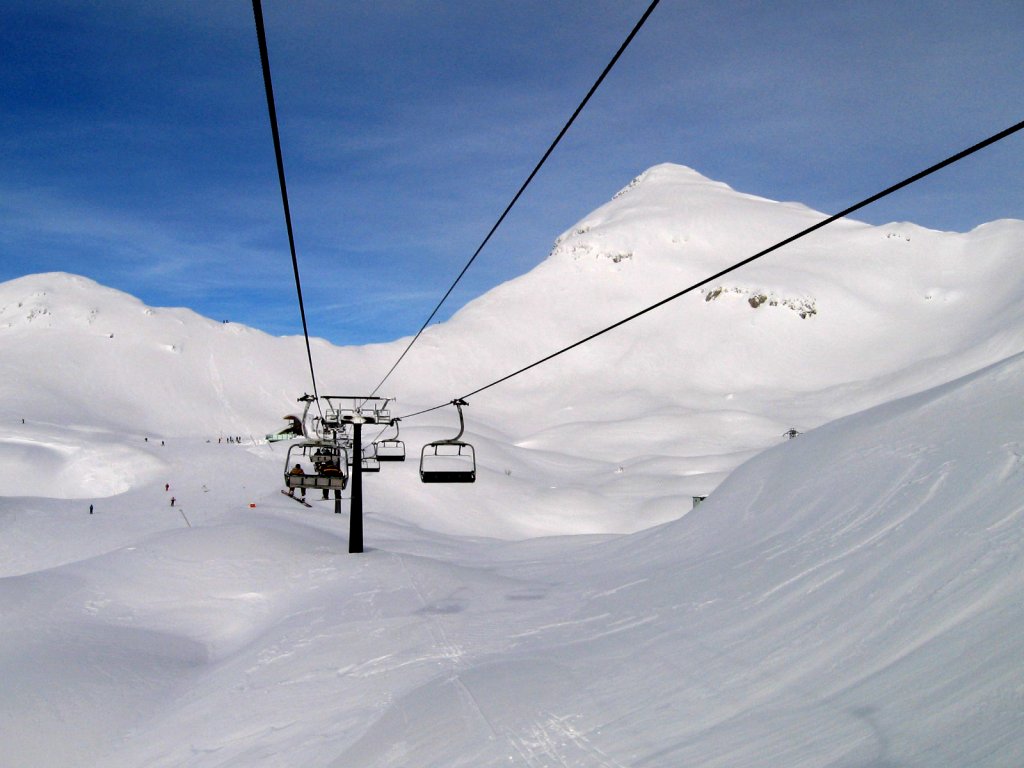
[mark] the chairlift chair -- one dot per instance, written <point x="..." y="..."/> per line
<point x="321" y="465"/>
<point x="449" y="461"/>
<point x="391" y="448"/>
<point x="370" y="462"/>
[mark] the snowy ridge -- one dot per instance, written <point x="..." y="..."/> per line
<point x="674" y="227"/>
<point x="79" y="348"/>
<point x="846" y="598"/>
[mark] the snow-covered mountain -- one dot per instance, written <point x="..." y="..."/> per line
<point x="855" y="307"/>
<point x="852" y="307"/>
<point x="846" y="318"/>
<point x="847" y="598"/>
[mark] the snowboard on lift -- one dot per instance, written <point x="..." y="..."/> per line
<point x="296" y="498"/>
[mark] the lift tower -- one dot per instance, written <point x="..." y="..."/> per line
<point x="354" y="411"/>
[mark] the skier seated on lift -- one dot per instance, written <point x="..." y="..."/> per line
<point x="330" y="469"/>
<point x="297" y="470"/>
<point x="320" y="459"/>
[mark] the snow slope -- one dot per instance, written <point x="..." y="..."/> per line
<point x="848" y="598"/>
<point x="847" y="318"/>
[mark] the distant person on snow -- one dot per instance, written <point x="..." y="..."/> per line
<point x="172" y="501"/>
<point x="297" y="471"/>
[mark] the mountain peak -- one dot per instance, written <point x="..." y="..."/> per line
<point x="670" y="172"/>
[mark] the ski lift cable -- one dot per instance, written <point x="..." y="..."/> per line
<point x="261" y="36"/>
<point x="792" y="238"/>
<point x="515" y="199"/>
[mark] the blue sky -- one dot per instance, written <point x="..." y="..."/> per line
<point x="137" y="151"/>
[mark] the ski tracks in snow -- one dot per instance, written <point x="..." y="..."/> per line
<point x="449" y="651"/>
<point x="553" y="742"/>
<point x="548" y="741"/>
<point x="540" y="740"/>
<point x="217" y="381"/>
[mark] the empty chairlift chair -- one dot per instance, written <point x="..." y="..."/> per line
<point x="391" y="448"/>
<point x="370" y="461"/>
<point x="449" y="461"/>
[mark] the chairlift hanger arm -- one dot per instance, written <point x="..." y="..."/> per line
<point x="458" y="403"/>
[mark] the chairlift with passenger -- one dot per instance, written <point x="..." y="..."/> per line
<point x="449" y="461"/>
<point x="316" y="464"/>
